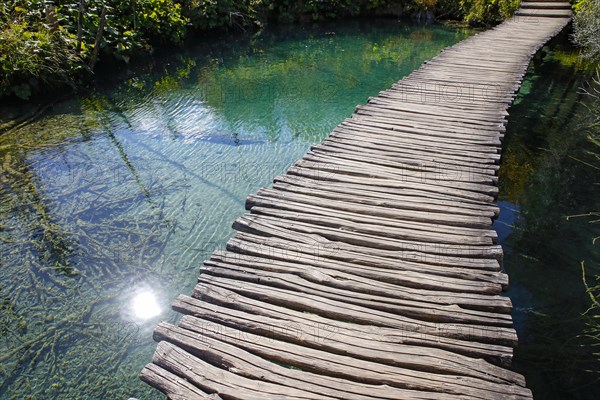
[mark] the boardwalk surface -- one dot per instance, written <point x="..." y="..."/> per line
<point x="370" y="269"/>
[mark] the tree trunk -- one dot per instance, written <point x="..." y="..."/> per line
<point x="98" y="38"/>
<point x="79" y="27"/>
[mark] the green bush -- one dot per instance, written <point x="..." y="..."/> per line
<point x="161" y="20"/>
<point x="485" y="12"/>
<point x="315" y="10"/>
<point x="41" y="46"/>
<point x="131" y="25"/>
<point x="33" y="54"/>
<point x="474" y="12"/>
<point x="586" y="24"/>
<point x="52" y="42"/>
<point x="211" y="14"/>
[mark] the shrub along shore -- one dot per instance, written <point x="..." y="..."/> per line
<point x="55" y="45"/>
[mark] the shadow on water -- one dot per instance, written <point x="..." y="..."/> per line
<point x="543" y="181"/>
<point x="110" y="201"/>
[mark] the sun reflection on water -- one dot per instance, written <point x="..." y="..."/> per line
<point x="145" y="306"/>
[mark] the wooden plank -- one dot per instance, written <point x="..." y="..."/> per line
<point x="424" y="171"/>
<point x="371" y="138"/>
<point x="401" y="278"/>
<point x="474" y="117"/>
<point x="360" y="278"/>
<point x="351" y="313"/>
<point x="422" y="133"/>
<point x="364" y="272"/>
<point x="271" y="226"/>
<point x="385" y="153"/>
<point x="360" y="129"/>
<point x="469" y="136"/>
<point x="413" y="334"/>
<point x="349" y="340"/>
<point x="414" y="199"/>
<point x="426" y="109"/>
<point x="346" y="367"/>
<point x="229" y="385"/>
<point x="248" y="365"/>
<point x="175" y="387"/>
<point x="490" y="93"/>
<point x="448" y="122"/>
<point x="389" y="208"/>
<point x="330" y="255"/>
<point x="356" y="221"/>
<point x="442" y="257"/>
<point x="458" y="93"/>
<point x="331" y="175"/>
<point x="324" y="171"/>
<point x="280" y="275"/>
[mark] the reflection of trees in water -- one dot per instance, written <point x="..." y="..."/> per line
<point x="546" y="134"/>
<point x="294" y="86"/>
<point x="301" y="88"/>
<point x="70" y="246"/>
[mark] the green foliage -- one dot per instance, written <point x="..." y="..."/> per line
<point x="211" y="14"/>
<point x="315" y="10"/>
<point x="46" y="43"/>
<point x="587" y="28"/>
<point x="33" y="56"/>
<point x="161" y="19"/>
<point x="593" y="292"/>
<point x="131" y="25"/>
<point x="40" y="44"/>
<point x="485" y="12"/>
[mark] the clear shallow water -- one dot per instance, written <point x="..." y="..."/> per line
<point x="544" y="179"/>
<point x="110" y="201"/>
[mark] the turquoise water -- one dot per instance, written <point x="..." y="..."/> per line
<point x="110" y="201"/>
<point x="549" y="184"/>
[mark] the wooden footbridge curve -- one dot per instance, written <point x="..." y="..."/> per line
<point x="370" y="269"/>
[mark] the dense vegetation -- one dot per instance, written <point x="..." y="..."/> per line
<point x="46" y="44"/>
<point x="587" y="36"/>
<point x="587" y="28"/>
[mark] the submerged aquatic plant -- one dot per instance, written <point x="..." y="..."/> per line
<point x="593" y="290"/>
<point x="72" y="233"/>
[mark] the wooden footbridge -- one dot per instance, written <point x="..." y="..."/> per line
<point x="370" y="269"/>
